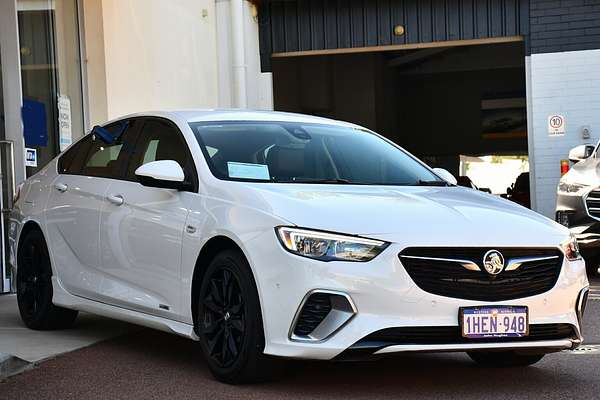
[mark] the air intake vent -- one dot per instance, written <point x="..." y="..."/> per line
<point x="424" y="335"/>
<point x="321" y="314"/>
<point x="313" y="313"/>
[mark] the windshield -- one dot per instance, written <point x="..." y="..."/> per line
<point x="306" y="153"/>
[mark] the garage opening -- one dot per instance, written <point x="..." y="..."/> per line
<point x="462" y="108"/>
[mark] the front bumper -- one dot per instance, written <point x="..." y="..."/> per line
<point x="385" y="296"/>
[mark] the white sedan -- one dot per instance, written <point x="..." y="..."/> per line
<point x="266" y="236"/>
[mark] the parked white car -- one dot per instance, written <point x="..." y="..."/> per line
<point x="267" y="236"/>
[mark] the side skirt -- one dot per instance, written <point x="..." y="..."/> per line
<point x="65" y="299"/>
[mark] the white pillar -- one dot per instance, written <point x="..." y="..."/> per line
<point x="10" y="57"/>
<point x="12" y="96"/>
<point x="240" y="99"/>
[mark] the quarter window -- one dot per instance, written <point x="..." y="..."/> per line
<point x="70" y="162"/>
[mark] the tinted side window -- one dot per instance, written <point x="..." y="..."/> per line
<point x="103" y="160"/>
<point x="161" y="140"/>
<point x="109" y="160"/>
<point x="94" y="157"/>
<point x="71" y="161"/>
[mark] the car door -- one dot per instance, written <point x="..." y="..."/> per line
<point x="142" y="228"/>
<point x="73" y="212"/>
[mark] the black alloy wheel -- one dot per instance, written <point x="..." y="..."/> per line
<point x="34" y="287"/>
<point x="229" y="322"/>
<point x="223" y="321"/>
<point x="33" y="281"/>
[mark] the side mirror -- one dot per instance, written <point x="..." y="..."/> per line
<point x="580" y="152"/>
<point x="509" y="191"/>
<point x="445" y="175"/>
<point x="166" y="174"/>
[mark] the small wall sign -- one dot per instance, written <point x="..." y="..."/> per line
<point x="64" y="121"/>
<point x="556" y="125"/>
<point x="30" y="157"/>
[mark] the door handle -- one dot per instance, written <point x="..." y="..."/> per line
<point x="61" y="187"/>
<point x="116" y="199"/>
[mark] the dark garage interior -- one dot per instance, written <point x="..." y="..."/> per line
<point x="438" y="103"/>
<point x="432" y="104"/>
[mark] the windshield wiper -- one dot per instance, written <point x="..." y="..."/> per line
<point x="313" y="180"/>
<point x="421" y="182"/>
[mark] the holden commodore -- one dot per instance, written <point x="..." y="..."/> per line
<point x="268" y="236"/>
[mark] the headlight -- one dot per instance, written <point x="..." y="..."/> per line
<point x="571" y="188"/>
<point x="571" y="249"/>
<point x="327" y="246"/>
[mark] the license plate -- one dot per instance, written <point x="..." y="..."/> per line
<point x="486" y="322"/>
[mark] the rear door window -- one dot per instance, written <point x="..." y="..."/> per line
<point x="93" y="156"/>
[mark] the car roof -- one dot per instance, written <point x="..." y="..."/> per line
<point x="207" y="115"/>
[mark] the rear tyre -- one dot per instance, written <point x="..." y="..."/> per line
<point x="504" y="359"/>
<point x="34" y="287"/>
<point x="230" y="323"/>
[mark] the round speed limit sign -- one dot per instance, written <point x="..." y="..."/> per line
<point x="556" y="125"/>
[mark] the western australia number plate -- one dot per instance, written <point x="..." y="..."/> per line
<point x="486" y="322"/>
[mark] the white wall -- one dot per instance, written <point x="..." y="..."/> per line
<point x="259" y="85"/>
<point x="157" y="54"/>
<point x="565" y="83"/>
<point x="94" y="64"/>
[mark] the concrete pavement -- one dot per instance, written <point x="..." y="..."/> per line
<point x="17" y="342"/>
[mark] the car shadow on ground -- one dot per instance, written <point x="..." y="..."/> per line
<point x="150" y="364"/>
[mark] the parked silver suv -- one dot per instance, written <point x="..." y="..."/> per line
<point x="578" y="202"/>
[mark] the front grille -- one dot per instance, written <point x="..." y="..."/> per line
<point x="425" y="335"/>
<point x="451" y="279"/>
<point x="592" y="203"/>
<point x="313" y="313"/>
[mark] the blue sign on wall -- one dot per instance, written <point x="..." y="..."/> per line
<point x="34" y="123"/>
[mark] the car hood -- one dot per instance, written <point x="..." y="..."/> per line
<point x="424" y="215"/>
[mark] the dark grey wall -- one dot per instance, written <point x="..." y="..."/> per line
<point x="344" y="87"/>
<point x="564" y="25"/>
<point x="298" y="25"/>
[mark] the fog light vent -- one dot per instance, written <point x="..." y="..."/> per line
<point x="313" y="313"/>
<point x="564" y="217"/>
<point x="321" y="314"/>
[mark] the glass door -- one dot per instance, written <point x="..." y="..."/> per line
<point x="51" y="78"/>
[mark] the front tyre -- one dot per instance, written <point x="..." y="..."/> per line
<point x="230" y="322"/>
<point x="504" y="359"/>
<point x="34" y="287"/>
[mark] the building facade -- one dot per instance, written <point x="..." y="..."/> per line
<point x="554" y="53"/>
<point x="443" y="78"/>
<point x="68" y="65"/>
